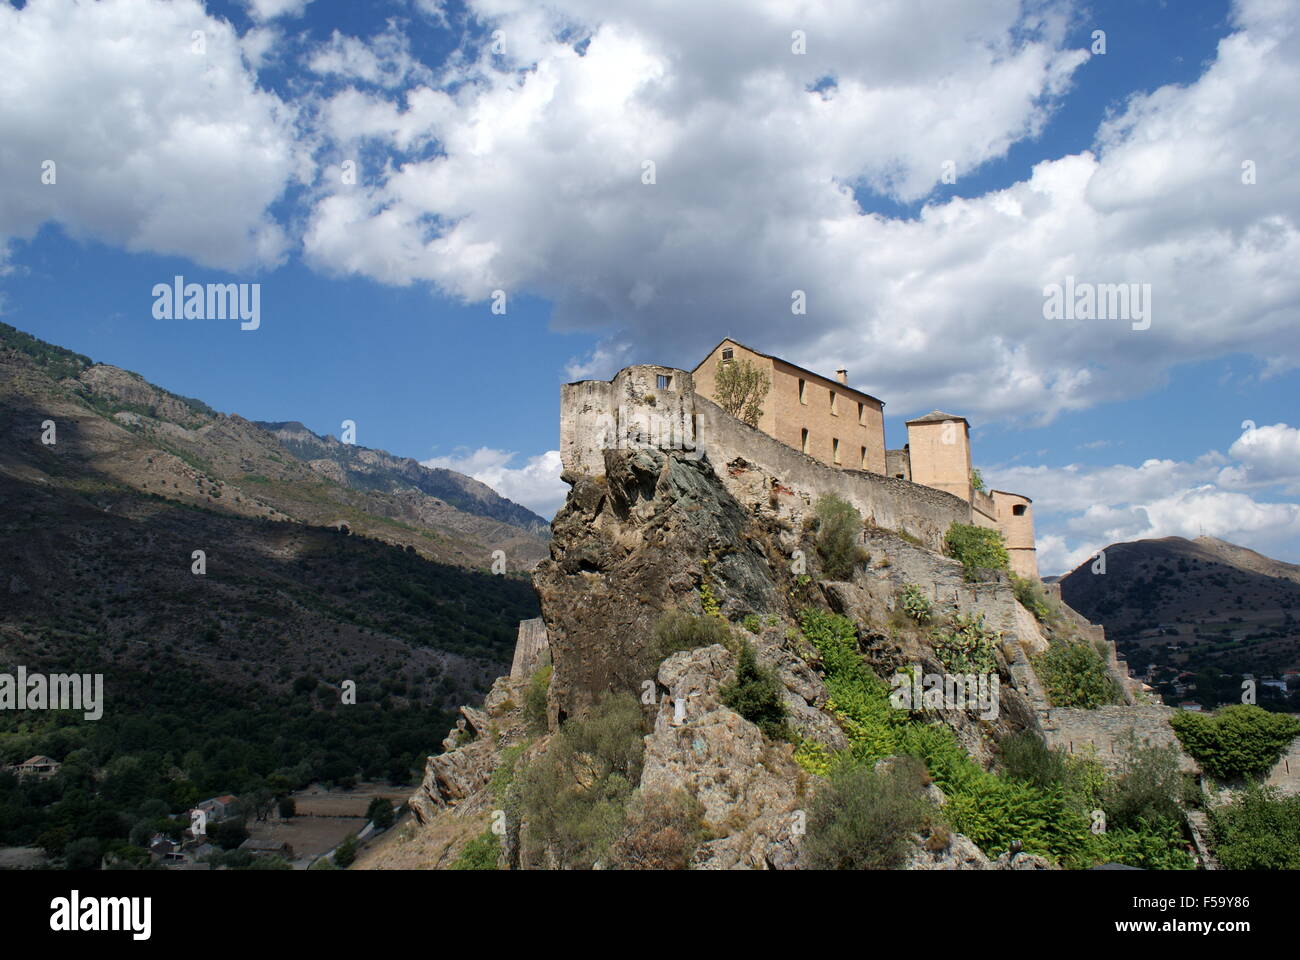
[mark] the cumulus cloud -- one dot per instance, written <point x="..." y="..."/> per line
<point x="1080" y="509"/>
<point x="384" y="60"/>
<point x="159" y="141"/>
<point x="536" y="484"/>
<point x="263" y="10"/>
<point x="1267" y="455"/>
<point x="540" y="145"/>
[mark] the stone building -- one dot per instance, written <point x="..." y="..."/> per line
<point x="826" y="419"/>
<point x="843" y="427"/>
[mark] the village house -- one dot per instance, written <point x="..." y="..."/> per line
<point x="37" y="766"/>
<point x="218" y="808"/>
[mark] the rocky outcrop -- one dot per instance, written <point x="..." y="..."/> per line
<point x="630" y="544"/>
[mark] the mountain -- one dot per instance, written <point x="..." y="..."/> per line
<point x="154" y="440"/>
<point x="1202" y="605"/>
<point x="226" y="590"/>
<point x="449" y="498"/>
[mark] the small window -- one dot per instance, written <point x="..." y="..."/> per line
<point x="835" y="449"/>
<point x="803" y="440"/>
<point x="899" y="476"/>
<point x="864" y="458"/>
<point x="665" y="382"/>
<point x="727" y="354"/>
<point x="834" y="412"/>
<point x="1018" y="510"/>
<point x="862" y="414"/>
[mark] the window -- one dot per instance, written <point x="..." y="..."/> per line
<point x="727" y="354"/>
<point x="665" y="382"/>
<point x="803" y="440"/>
<point x="835" y="449"/>
<point x="862" y="414"/>
<point x="1018" y="510"/>
<point x="803" y="391"/>
<point x="864" y="458"/>
<point x="834" y="412"/>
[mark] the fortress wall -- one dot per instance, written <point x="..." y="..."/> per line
<point x="628" y="412"/>
<point x="532" y="649"/>
<point x="800" y="480"/>
<point x="1104" y="729"/>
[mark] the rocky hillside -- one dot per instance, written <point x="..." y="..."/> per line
<point x="702" y="686"/>
<point x="152" y="440"/>
<point x="99" y="527"/>
<point x="1194" y="604"/>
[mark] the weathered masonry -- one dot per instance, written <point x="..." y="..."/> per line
<point x="815" y="436"/>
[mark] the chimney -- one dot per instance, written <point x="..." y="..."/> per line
<point x="842" y="376"/>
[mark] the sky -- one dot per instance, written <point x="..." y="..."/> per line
<point x="631" y="182"/>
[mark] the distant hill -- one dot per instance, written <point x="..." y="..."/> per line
<point x="1202" y="605"/>
<point x="97" y="531"/>
<point x="377" y="471"/>
<point x="318" y="577"/>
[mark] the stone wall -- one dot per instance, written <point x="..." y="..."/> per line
<point x="766" y="475"/>
<point x="532" y="649"/>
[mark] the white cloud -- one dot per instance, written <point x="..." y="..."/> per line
<point x="536" y="484"/>
<point x="537" y="188"/>
<point x="1268" y="455"/>
<point x="264" y="10"/>
<point x="384" y="60"/>
<point x="1080" y="509"/>
<point x="156" y="147"/>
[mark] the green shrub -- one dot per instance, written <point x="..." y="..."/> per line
<point x="1146" y="787"/>
<point x="678" y="630"/>
<point x="1027" y="758"/>
<point x="862" y="820"/>
<point x="573" y="797"/>
<point x="752" y="623"/>
<point x="1033" y="598"/>
<point x="976" y="548"/>
<point x="1242" y="740"/>
<point x="839" y="528"/>
<point x="535" y="699"/>
<point x="966" y="645"/>
<point x="346" y="854"/>
<point x="755" y="694"/>
<point x="1260" y="831"/>
<point x="481" y="853"/>
<point x="1075" y="675"/>
<point x="662" y="832"/>
<point x="916" y="604"/>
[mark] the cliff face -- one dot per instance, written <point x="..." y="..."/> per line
<point x="662" y="530"/>
<point x="643" y="538"/>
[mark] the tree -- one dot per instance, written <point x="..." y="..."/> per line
<point x="756" y="695"/>
<point x="346" y="854"/>
<point x="839" y="527"/>
<point x="380" y="812"/>
<point x="740" y="388"/>
<point x="288" y="808"/>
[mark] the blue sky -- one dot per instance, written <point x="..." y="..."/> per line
<point x="498" y="146"/>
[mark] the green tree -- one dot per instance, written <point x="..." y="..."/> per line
<point x="740" y="389"/>
<point x="380" y="813"/>
<point x="346" y="854"/>
<point x="1242" y="740"/>
<point x="976" y="547"/>
<point x="839" y="528"/>
<point x="755" y="694"/>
